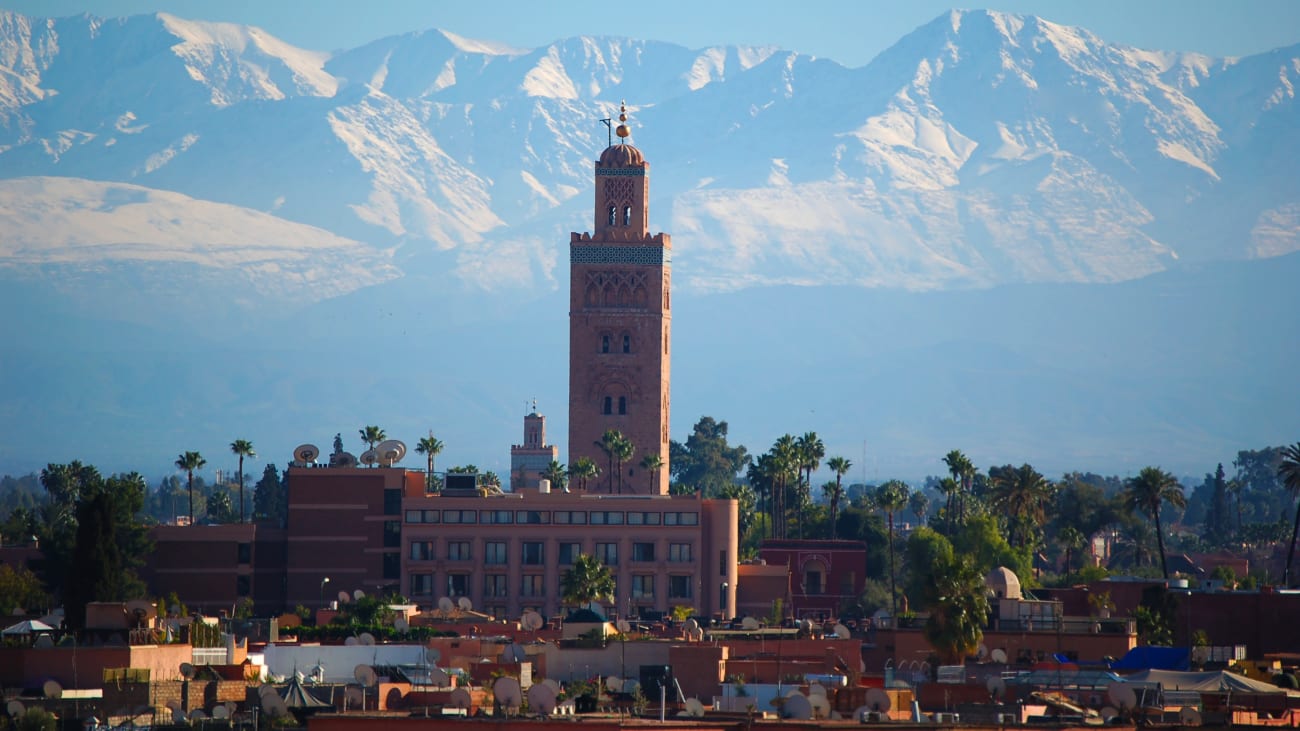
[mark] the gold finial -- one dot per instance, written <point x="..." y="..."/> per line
<point x="623" y="130"/>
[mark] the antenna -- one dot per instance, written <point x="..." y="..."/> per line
<point x="305" y="454"/>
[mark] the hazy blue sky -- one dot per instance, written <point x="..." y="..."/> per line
<point x="848" y="31"/>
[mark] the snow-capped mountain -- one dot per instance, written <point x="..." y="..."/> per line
<point x="983" y="148"/>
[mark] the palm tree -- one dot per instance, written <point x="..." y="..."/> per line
<point x="372" y="435"/>
<point x="190" y="461"/>
<point x="1147" y="493"/>
<point x="623" y="451"/>
<point x="959" y="609"/>
<point x="608" y="444"/>
<point x="653" y="463"/>
<point x="430" y="447"/>
<point x="891" y="497"/>
<point x="1020" y="494"/>
<point x="587" y="581"/>
<point x="556" y="474"/>
<point x="1289" y="472"/>
<point x="243" y="448"/>
<point x="583" y="470"/>
<point x="840" y="466"/>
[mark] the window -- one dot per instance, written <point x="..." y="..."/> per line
<point x="608" y="407"/>
<point x="458" y="551"/>
<point x="604" y="343"/>
<point x="494" y="552"/>
<point x="627" y="215"/>
<point x="680" y="553"/>
<point x="245" y="553"/>
<point x="570" y="517"/>
<point x="532" y="586"/>
<point x="622" y="404"/>
<point x="643" y="586"/>
<point x="494" y="585"/>
<point x="569" y="553"/>
<point x="627" y="343"/>
<point x="643" y="518"/>
<point x="532" y="517"/>
<point x="392" y="534"/>
<point x="606" y="517"/>
<point x="393" y="565"/>
<point x="613" y="215"/>
<point x="607" y="553"/>
<point x="421" y="584"/>
<point x="393" y="501"/>
<point x="681" y="518"/>
<point x="460" y="516"/>
<point x="534" y="553"/>
<point x="244" y="585"/>
<point x="679" y="587"/>
<point x="497" y="517"/>
<point x="457" y="584"/>
<point x="643" y="551"/>
<point x="421" y="550"/>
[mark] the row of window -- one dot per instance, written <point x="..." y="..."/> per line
<point x="533" y="585"/>
<point x="545" y="517"/>
<point x="533" y="553"/>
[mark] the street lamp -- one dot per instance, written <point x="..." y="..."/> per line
<point x="323" y="582"/>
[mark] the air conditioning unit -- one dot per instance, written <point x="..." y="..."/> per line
<point x="1008" y="719"/>
<point x="946" y="718"/>
<point x="873" y="717"/>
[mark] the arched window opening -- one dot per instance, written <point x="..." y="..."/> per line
<point x="604" y="343"/>
<point x="627" y="343"/>
<point x="613" y="215"/>
<point x="627" y="215"/>
<point x="622" y="404"/>
<point x="609" y="406"/>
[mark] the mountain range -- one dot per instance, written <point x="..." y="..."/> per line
<point x="205" y="227"/>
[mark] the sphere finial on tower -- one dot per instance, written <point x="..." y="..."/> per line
<point x="623" y="130"/>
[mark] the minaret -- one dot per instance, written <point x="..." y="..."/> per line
<point x="620" y="323"/>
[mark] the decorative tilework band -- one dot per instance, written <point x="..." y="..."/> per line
<point x="643" y="255"/>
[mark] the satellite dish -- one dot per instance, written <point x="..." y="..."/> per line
<point x="515" y="652"/>
<point x="367" y="639"/>
<point x="797" y="707"/>
<point x="623" y="626"/>
<point x="541" y="699"/>
<point x="749" y="623"/>
<point x="52" y="689"/>
<point x="16" y="708"/>
<point x="878" y="700"/>
<point x="694" y="708"/>
<point x="197" y="714"/>
<point x="459" y="698"/>
<point x="614" y="683"/>
<point x="351" y="641"/>
<point x="998" y="655"/>
<point x="1189" y="716"/>
<point x="507" y="693"/>
<point x="821" y="706"/>
<point x="305" y="454"/>
<point x="390" y="452"/>
<point x="344" y="597"/>
<point x="369" y="458"/>
<point x="997" y="687"/>
<point x="841" y="631"/>
<point x="465" y="604"/>
<point x="1122" y="695"/>
<point x="401" y="625"/>
<point x="365" y="675"/>
<point x="219" y="712"/>
<point x="445" y="604"/>
<point x="533" y="621"/>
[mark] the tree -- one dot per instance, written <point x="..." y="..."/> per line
<point x="372" y="435"/>
<point x="1020" y="494"/>
<point x="270" y="497"/>
<point x="582" y="470"/>
<point x="1289" y="473"/>
<point x="587" y="581"/>
<point x="1147" y="494"/>
<point x="430" y="448"/>
<point x="959" y="609"/>
<point x="706" y="462"/>
<point x="653" y="463"/>
<point x="556" y="474"/>
<point x="242" y="448"/>
<point x="190" y="461"/>
<point x="891" y="497"/>
<point x="840" y="466"/>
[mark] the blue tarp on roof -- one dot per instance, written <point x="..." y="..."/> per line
<point x="1155" y="658"/>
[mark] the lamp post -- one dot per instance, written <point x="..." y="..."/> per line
<point x="323" y="582"/>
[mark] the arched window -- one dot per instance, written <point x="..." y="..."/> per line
<point x="627" y="343"/>
<point x="613" y="214"/>
<point x="604" y="343"/>
<point x="627" y="215"/>
<point x="609" y="406"/>
<point x="622" y="404"/>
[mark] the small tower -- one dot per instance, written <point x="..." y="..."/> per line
<point x="620" y="326"/>
<point x="529" y="460"/>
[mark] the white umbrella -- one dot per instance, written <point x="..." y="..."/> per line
<point x="27" y="627"/>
